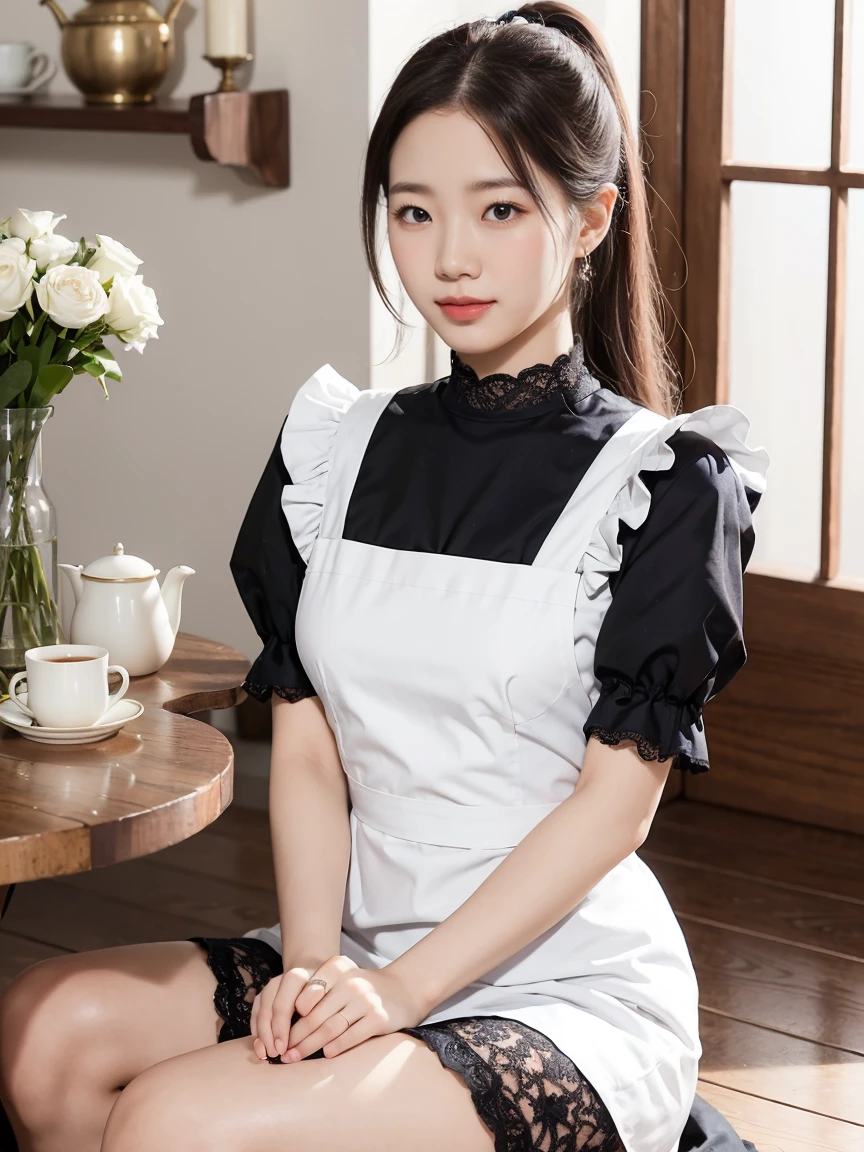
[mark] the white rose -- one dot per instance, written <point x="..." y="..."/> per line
<point x="112" y="257"/>
<point x="16" y="278"/>
<point x="72" y="296"/>
<point x="49" y="251"/>
<point x="133" y="313"/>
<point x="32" y="225"/>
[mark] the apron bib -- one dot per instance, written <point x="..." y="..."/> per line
<point x="452" y="688"/>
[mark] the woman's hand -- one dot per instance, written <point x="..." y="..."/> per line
<point x="374" y="1002"/>
<point x="272" y="1011"/>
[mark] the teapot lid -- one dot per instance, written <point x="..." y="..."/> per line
<point x="120" y="566"/>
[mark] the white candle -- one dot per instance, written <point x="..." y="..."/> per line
<point x="225" y="26"/>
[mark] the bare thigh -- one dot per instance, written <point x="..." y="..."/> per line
<point x="76" y="1029"/>
<point x="385" y="1094"/>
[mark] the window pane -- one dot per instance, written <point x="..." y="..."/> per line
<point x="777" y="356"/>
<point x="782" y="68"/>
<point x="856" y="85"/>
<point x="852" y="488"/>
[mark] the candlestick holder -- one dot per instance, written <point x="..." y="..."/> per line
<point x="227" y="64"/>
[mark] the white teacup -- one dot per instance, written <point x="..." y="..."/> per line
<point x="67" y="685"/>
<point x="21" y="66"/>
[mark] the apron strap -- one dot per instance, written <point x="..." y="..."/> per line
<point x="571" y="533"/>
<point x="346" y="456"/>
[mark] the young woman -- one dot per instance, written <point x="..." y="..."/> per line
<point x="458" y="584"/>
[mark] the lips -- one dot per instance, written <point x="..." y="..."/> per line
<point x="464" y="307"/>
<point x="463" y="300"/>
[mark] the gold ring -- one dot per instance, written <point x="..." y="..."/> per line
<point x="318" y="980"/>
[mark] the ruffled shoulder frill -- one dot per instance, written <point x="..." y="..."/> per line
<point x="307" y="439"/>
<point x="725" y="425"/>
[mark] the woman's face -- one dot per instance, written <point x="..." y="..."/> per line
<point x="459" y="225"/>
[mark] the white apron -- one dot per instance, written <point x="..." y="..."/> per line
<point x="457" y="689"/>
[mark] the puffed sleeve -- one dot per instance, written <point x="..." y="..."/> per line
<point x="672" y="636"/>
<point x="279" y="528"/>
<point x="268" y="572"/>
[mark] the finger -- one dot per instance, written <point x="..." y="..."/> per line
<point x="331" y="970"/>
<point x="264" y="1043"/>
<point x="360" y="1030"/>
<point x="280" y="1016"/>
<point x="310" y="995"/>
<point x="253" y="1016"/>
<point x="328" y="1031"/>
<point x="327" y="1007"/>
<point x="277" y="1006"/>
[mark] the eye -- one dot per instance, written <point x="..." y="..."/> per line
<point x="401" y="213"/>
<point x="506" y="204"/>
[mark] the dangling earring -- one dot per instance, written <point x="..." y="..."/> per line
<point x="585" y="269"/>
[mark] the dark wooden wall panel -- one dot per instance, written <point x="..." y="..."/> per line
<point x="786" y="737"/>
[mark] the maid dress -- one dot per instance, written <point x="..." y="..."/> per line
<point x="477" y="575"/>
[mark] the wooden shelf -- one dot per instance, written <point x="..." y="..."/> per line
<point x="48" y="111"/>
<point x="246" y="129"/>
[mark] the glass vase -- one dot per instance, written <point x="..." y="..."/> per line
<point x="29" y="616"/>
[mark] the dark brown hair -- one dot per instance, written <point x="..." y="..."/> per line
<point x="555" y="103"/>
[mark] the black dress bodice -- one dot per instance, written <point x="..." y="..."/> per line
<point x="482" y="467"/>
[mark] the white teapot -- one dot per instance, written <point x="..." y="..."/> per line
<point x="120" y="606"/>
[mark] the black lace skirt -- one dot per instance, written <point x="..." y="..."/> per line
<point x="527" y="1092"/>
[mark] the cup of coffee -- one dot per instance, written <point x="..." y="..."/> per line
<point x="67" y="685"/>
<point x="22" y="67"/>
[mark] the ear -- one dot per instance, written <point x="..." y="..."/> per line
<point x="596" y="219"/>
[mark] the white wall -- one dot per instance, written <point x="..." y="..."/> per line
<point x="257" y="287"/>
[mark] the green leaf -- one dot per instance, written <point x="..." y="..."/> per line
<point x="13" y="381"/>
<point x="51" y="380"/>
<point x="94" y="368"/>
<point x="62" y="386"/>
<point x="87" y="254"/>
<point x="37" y="328"/>
<point x="109" y="365"/>
<point x="47" y="347"/>
<point x="28" y="304"/>
<point x="32" y="355"/>
<point x="18" y="330"/>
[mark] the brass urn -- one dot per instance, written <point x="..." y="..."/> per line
<point x="116" y="51"/>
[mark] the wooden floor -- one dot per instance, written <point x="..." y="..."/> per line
<point x="773" y="912"/>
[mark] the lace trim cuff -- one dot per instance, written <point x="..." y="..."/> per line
<point x="263" y="692"/>
<point x="660" y="725"/>
<point x="647" y="750"/>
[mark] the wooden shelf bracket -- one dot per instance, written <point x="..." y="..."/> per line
<point x="249" y="129"/>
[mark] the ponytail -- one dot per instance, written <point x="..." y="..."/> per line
<point x="621" y="314"/>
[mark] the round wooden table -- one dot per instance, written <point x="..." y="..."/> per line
<point x="162" y="778"/>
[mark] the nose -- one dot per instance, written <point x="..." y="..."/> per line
<point x="457" y="253"/>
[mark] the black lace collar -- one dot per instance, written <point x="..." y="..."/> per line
<point x="538" y="387"/>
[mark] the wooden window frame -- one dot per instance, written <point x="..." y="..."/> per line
<point x="786" y="736"/>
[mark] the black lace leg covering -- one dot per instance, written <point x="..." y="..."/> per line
<point x="242" y="966"/>
<point x="528" y="1093"/>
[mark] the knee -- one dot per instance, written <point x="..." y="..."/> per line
<point x="156" y="1111"/>
<point x="48" y="1015"/>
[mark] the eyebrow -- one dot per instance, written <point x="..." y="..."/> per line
<point x="475" y="186"/>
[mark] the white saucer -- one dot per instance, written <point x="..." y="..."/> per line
<point x="113" y="720"/>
